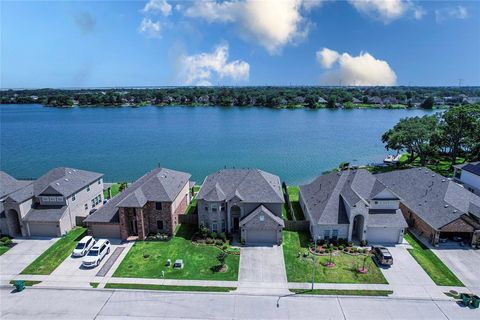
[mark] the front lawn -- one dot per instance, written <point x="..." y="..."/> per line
<point x="432" y="265"/>
<point x="56" y="254"/>
<point x="299" y="269"/>
<point x="147" y="259"/>
<point x="340" y="292"/>
<point x="167" y="287"/>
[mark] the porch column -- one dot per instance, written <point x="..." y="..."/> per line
<point x="227" y="209"/>
<point x="140" y="224"/>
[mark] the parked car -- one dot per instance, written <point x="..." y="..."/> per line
<point x="97" y="253"/>
<point x="382" y="255"/>
<point x="83" y="246"/>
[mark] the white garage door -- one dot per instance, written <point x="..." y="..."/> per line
<point x="382" y="235"/>
<point x="38" y="229"/>
<point x="105" y="230"/>
<point x="261" y="237"/>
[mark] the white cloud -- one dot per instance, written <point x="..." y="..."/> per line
<point x="150" y="28"/>
<point x="361" y="70"/>
<point x="458" y="12"/>
<point x="271" y="23"/>
<point x="158" y="7"/>
<point x="388" y="10"/>
<point x="201" y="69"/>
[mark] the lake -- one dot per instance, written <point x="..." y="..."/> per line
<point x="124" y="143"/>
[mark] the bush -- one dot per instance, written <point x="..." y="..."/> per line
<point x="342" y="241"/>
<point x="223" y="236"/>
<point x="224" y="247"/>
<point x="341" y="247"/>
<point x="209" y="241"/>
<point x="354" y="250"/>
<point x="320" y="242"/>
<point x="204" y="231"/>
<point x="7" y="242"/>
<point x="219" y="242"/>
<point x="345" y="249"/>
<point x="350" y="244"/>
<point x="5" y="239"/>
<point x="363" y="243"/>
<point x="213" y="235"/>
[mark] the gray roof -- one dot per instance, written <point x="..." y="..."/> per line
<point x="45" y="213"/>
<point x="249" y="185"/>
<point x="473" y="168"/>
<point x="159" y="185"/>
<point x="262" y="209"/>
<point x="64" y="181"/>
<point x="323" y="197"/>
<point x="386" y="218"/>
<point x="434" y="198"/>
<point x="9" y="184"/>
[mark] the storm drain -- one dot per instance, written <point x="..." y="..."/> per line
<point x="106" y="267"/>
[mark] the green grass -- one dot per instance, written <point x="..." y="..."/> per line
<point x="3" y="249"/>
<point x="115" y="190"/>
<point x="54" y="256"/>
<point x="432" y="265"/>
<point x="299" y="269"/>
<point x="294" y="194"/>
<point x="28" y="283"/>
<point x="94" y="284"/>
<point x="147" y="259"/>
<point x="196" y="188"/>
<point x="338" y="292"/>
<point x="191" y="207"/>
<point x="167" y="287"/>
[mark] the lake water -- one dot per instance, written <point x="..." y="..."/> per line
<point x="124" y="143"/>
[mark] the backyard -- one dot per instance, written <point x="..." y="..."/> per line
<point x="56" y="254"/>
<point x="432" y="265"/>
<point x="147" y="259"/>
<point x="299" y="268"/>
<point x="293" y="193"/>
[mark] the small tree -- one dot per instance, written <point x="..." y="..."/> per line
<point x="222" y="256"/>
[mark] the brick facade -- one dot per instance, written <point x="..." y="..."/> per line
<point x="420" y="226"/>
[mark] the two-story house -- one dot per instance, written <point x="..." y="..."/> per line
<point x="468" y="174"/>
<point x="248" y="201"/>
<point x="50" y="205"/>
<point x="150" y="205"/>
<point x="352" y="205"/>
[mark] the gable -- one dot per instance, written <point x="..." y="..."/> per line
<point x="458" y="225"/>
<point x="385" y="194"/>
<point x="50" y="191"/>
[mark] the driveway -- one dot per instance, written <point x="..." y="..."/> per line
<point x="262" y="270"/>
<point x="464" y="263"/>
<point x="21" y="255"/>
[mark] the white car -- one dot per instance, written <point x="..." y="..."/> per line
<point x="83" y="246"/>
<point x="97" y="253"/>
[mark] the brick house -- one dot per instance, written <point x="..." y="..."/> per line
<point x="150" y="205"/>
<point x="434" y="206"/>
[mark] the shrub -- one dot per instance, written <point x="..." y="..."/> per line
<point x="341" y="247"/>
<point x="305" y="254"/>
<point x="209" y="241"/>
<point x="320" y="242"/>
<point x="223" y="236"/>
<point x="363" y="243"/>
<point x="326" y="242"/>
<point x="213" y="235"/>
<point x="345" y="249"/>
<point x="353" y="250"/>
<point x="219" y="242"/>
<point x="342" y="241"/>
<point x="224" y="247"/>
<point x="4" y="239"/>
<point x="350" y="244"/>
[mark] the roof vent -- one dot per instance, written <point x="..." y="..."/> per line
<point x="443" y="180"/>
<point x="446" y="206"/>
<point x="455" y="211"/>
<point x="66" y="179"/>
<point x="57" y="183"/>
<point x="69" y="172"/>
<point x="433" y="175"/>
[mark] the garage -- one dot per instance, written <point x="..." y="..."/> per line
<point x="261" y="227"/>
<point x="384" y="235"/>
<point x="44" y="229"/>
<point x="261" y="237"/>
<point x="107" y="230"/>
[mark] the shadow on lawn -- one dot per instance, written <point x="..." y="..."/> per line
<point x="186" y="231"/>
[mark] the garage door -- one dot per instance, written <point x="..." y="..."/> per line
<point x="38" y="229"/>
<point x="383" y="235"/>
<point x="105" y="230"/>
<point x="268" y="237"/>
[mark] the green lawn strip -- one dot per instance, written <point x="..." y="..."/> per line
<point x="147" y="259"/>
<point x="56" y="254"/>
<point x="339" y="292"/>
<point x="191" y="207"/>
<point x="3" y="249"/>
<point x="294" y="194"/>
<point x="167" y="287"/>
<point x="299" y="269"/>
<point x="94" y="284"/>
<point x="196" y="188"/>
<point x="28" y="283"/>
<point x="115" y="188"/>
<point x="432" y="265"/>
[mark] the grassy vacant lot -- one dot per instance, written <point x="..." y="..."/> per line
<point x="167" y="287"/>
<point x="147" y="259"/>
<point x="299" y="269"/>
<point x="339" y="292"/>
<point x="293" y="193"/>
<point x="54" y="256"/>
<point x="432" y="265"/>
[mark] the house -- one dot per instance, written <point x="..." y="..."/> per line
<point x="352" y="205"/>
<point x="150" y="205"/>
<point x="8" y="185"/>
<point x="468" y="174"/>
<point x="434" y="206"/>
<point x="51" y="205"/>
<point x="248" y="201"/>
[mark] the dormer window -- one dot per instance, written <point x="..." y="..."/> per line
<point x="53" y="199"/>
<point x="45" y="199"/>
<point x="59" y="199"/>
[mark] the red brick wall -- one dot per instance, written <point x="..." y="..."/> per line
<point x="420" y="226"/>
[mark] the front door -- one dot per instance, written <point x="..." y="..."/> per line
<point x="133" y="227"/>
<point x="236" y="221"/>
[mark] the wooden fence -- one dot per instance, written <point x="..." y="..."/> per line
<point x="302" y="225"/>
<point x="191" y="218"/>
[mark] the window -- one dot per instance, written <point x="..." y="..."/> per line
<point x="223" y="225"/>
<point x="93" y="203"/>
<point x="214" y="207"/>
<point x="59" y="199"/>
<point x="45" y="199"/>
<point x="206" y="207"/>
<point x="73" y="197"/>
<point x="326" y="234"/>
<point x="158" y="205"/>
<point x="100" y="181"/>
<point x="222" y="207"/>
<point x="160" y="224"/>
<point x="334" y="234"/>
<point x="214" y="227"/>
<point x="53" y="199"/>
<point x="86" y="206"/>
<point x="262" y="217"/>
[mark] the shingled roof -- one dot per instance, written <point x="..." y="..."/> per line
<point x="159" y="185"/>
<point x="9" y="184"/>
<point x="249" y="185"/>
<point x="64" y="181"/>
<point x="434" y="198"/>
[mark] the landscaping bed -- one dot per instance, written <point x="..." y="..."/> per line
<point x="346" y="267"/>
<point x="339" y="292"/>
<point x="167" y="287"/>
<point x="432" y="265"/>
<point x="56" y="254"/>
<point x="148" y="259"/>
<point x="5" y="244"/>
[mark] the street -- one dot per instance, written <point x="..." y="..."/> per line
<point x="42" y="303"/>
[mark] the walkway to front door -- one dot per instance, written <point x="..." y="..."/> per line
<point x="262" y="270"/>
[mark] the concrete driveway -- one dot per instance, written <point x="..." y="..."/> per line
<point x="21" y="255"/>
<point x="464" y="263"/>
<point x="262" y="269"/>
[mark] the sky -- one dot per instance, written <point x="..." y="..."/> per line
<point x="60" y="44"/>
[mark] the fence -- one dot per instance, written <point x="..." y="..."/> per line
<point x="288" y="203"/>
<point x="303" y="225"/>
<point x="191" y="218"/>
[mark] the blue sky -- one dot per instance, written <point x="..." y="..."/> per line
<point x="239" y="42"/>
